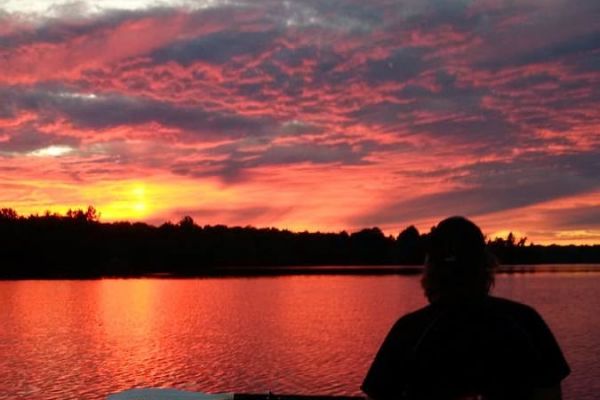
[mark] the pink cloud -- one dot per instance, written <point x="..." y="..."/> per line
<point x="309" y="117"/>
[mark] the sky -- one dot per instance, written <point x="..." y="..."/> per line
<point x="311" y="115"/>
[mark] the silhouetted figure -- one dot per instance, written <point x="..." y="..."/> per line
<point x="466" y="344"/>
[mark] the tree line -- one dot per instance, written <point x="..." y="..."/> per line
<point x="79" y="245"/>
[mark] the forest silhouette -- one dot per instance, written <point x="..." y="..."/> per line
<point x="79" y="245"/>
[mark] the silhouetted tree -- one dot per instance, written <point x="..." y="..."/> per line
<point x="511" y="250"/>
<point x="187" y="222"/>
<point x="510" y="240"/>
<point x="8" y="213"/>
<point x="79" y="245"/>
<point x="88" y="215"/>
<point x="410" y="246"/>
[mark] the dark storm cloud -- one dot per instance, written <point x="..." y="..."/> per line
<point x="476" y="201"/>
<point x="532" y="80"/>
<point x="316" y="154"/>
<point x="497" y="187"/>
<point x="28" y="139"/>
<point x="490" y="128"/>
<point x="404" y="64"/>
<point x="216" y="48"/>
<point x="295" y="56"/>
<point x="381" y="113"/>
<point x="564" y="50"/>
<point x="114" y="110"/>
<point x="239" y="161"/>
<point x="458" y="114"/>
<point x="574" y="218"/>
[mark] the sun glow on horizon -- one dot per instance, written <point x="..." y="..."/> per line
<point x="145" y="200"/>
<point x="139" y="194"/>
<point x="149" y="200"/>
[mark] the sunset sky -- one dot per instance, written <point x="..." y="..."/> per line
<point x="319" y="115"/>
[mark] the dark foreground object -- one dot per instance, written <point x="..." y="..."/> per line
<point x="272" y="396"/>
<point x="159" y="393"/>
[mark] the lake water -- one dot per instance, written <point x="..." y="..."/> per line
<point x="290" y="334"/>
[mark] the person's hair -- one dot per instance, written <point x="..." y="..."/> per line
<point x="458" y="263"/>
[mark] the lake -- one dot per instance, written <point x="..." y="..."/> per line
<point x="288" y="334"/>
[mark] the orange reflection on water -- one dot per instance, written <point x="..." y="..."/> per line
<point x="126" y="307"/>
<point x="91" y="338"/>
<point x="127" y="326"/>
<point x="42" y="318"/>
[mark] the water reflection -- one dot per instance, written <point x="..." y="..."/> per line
<point x="309" y="334"/>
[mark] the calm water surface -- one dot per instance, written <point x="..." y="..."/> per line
<point x="294" y="334"/>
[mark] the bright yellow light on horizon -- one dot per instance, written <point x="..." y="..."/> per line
<point x="142" y="200"/>
<point x="139" y="206"/>
<point x="127" y="200"/>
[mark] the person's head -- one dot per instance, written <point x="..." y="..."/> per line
<point x="458" y="263"/>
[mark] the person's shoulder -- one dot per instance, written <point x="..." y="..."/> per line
<point x="551" y="366"/>
<point x="502" y="304"/>
<point x="523" y="314"/>
<point x="415" y="319"/>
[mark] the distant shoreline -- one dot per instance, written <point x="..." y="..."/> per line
<point x="348" y="270"/>
<point x="79" y="246"/>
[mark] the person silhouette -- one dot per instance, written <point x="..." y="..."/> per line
<point x="466" y="344"/>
